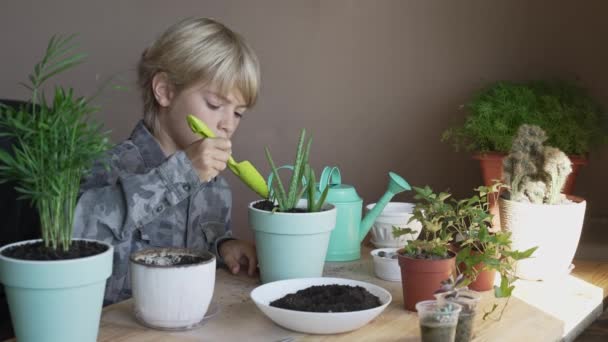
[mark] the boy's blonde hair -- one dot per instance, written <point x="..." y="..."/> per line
<point x="199" y="50"/>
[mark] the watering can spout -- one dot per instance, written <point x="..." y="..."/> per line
<point x="396" y="185"/>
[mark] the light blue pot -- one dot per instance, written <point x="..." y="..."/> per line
<point x="56" y="301"/>
<point x="291" y="245"/>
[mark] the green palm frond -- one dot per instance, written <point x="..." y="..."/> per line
<point x="56" y="144"/>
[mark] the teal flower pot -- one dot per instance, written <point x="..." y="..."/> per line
<point x="291" y="245"/>
<point x="56" y="301"/>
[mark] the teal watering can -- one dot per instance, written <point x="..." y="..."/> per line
<point x="345" y="240"/>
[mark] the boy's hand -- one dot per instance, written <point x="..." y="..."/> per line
<point x="209" y="156"/>
<point x="237" y="253"/>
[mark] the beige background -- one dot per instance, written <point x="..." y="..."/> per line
<point x="376" y="82"/>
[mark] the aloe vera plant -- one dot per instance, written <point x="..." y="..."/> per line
<point x="55" y="145"/>
<point x="302" y="181"/>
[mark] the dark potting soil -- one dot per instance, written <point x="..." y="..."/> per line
<point x="37" y="251"/>
<point x="188" y="260"/>
<point x="428" y="256"/>
<point x="328" y="298"/>
<point x="175" y="260"/>
<point x="266" y="205"/>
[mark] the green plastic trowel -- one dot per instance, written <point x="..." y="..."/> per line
<point x="244" y="170"/>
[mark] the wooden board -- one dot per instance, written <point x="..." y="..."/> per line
<point x="538" y="312"/>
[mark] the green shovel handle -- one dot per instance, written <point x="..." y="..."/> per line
<point x="197" y="126"/>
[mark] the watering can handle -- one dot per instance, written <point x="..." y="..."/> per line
<point x="329" y="176"/>
<point x="271" y="177"/>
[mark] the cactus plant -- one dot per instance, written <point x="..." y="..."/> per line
<point x="534" y="172"/>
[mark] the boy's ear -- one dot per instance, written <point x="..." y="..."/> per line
<point x="162" y="89"/>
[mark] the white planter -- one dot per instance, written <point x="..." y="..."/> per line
<point x="394" y="214"/>
<point x="172" y="297"/>
<point x="555" y="229"/>
<point x="386" y="268"/>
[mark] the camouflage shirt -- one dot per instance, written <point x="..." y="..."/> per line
<point x="140" y="199"/>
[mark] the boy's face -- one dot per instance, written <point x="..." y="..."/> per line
<point x="222" y="114"/>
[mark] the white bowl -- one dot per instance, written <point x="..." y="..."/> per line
<point x="394" y="214"/>
<point x="384" y="268"/>
<point x="316" y="322"/>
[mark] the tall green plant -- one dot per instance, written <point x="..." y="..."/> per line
<point x="55" y="144"/>
<point x="302" y="181"/>
<point x="574" y="122"/>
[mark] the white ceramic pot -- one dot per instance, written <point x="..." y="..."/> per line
<point x="554" y="228"/>
<point x="394" y="214"/>
<point x="172" y="297"/>
<point x="386" y="268"/>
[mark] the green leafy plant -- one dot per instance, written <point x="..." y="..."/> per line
<point x="433" y="211"/>
<point x="466" y="224"/>
<point x="56" y="144"/>
<point x="574" y="122"/>
<point x="478" y="245"/>
<point x="302" y="181"/>
<point x="535" y="173"/>
<point x="479" y="248"/>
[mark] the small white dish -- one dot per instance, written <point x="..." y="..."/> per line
<point x="386" y="268"/>
<point x="316" y="322"/>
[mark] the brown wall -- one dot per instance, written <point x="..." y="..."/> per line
<point x="376" y="82"/>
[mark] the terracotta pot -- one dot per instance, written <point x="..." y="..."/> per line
<point x="491" y="169"/>
<point x="484" y="281"/>
<point x="420" y="278"/>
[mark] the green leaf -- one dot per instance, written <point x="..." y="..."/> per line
<point x="297" y="171"/>
<point x="397" y="231"/>
<point x="517" y="255"/>
<point x="62" y="66"/>
<point x="505" y="289"/>
<point x="279" y="190"/>
<point x="310" y="185"/>
<point x="319" y="205"/>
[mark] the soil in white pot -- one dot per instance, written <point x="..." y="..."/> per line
<point x="37" y="251"/>
<point x="266" y="205"/>
<point x="168" y="258"/>
<point x="387" y="255"/>
<point x="329" y="298"/>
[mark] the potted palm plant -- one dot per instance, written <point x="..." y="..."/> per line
<point x="573" y="121"/>
<point x="55" y="285"/>
<point x="292" y="234"/>
<point x="535" y="211"/>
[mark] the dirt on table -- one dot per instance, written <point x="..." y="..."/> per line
<point x="329" y="298"/>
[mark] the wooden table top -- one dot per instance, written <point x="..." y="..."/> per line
<point x="558" y="310"/>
